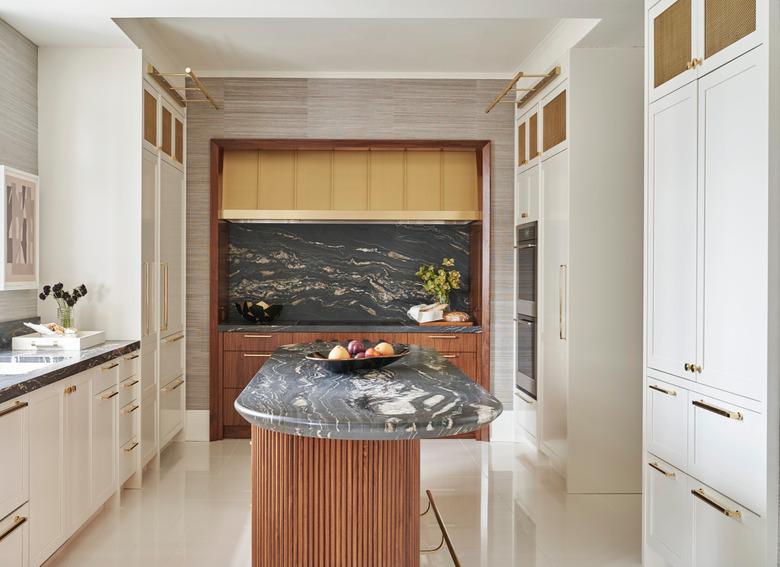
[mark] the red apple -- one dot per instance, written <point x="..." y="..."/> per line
<point x="355" y="346"/>
<point x="360" y="355"/>
<point x="372" y="352"/>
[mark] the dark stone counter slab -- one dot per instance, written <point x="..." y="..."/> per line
<point x="296" y="327"/>
<point x="420" y="396"/>
<point x="65" y="363"/>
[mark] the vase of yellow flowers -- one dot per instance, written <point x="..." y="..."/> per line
<point x="439" y="281"/>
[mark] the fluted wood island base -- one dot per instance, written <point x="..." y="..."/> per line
<point x="334" y="502"/>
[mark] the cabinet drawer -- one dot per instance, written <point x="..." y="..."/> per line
<point x="668" y="511"/>
<point x="171" y="357"/>
<point x="445" y="342"/>
<point x="667" y="422"/>
<point x="171" y="409"/>
<point x="14" y="441"/>
<point x="238" y="368"/>
<point x="129" y="390"/>
<point x="129" y="366"/>
<point x="128" y="459"/>
<point x="127" y="421"/>
<point x="726" y="449"/>
<point x="229" y="414"/>
<point x="106" y="375"/>
<point x="259" y="341"/>
<point x="724" y="533"/>
<point x="465" y="361"/>
<point x="14" y="538"/>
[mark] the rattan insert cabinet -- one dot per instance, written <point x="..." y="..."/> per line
<point x="687" y="39"/>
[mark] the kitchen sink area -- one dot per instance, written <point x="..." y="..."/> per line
<point x="24" y="363"/>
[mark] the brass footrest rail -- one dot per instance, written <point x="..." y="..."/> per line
<point x="445" y="536"/>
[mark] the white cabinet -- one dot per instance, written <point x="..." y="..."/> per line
<point x="149" y="272"/>
<point x="148" y="428"/>
<point x="667" y="512"/>
<point x="14" y="443"/>
<point x="171" y="248"/>
<point x="104" y="439"/>
<point x="171" y="409"/>
<point x="672" y="213"/>
<point x="15" y="538"/>
<point x="77" y="449"/>
<point x="666" y="424"/>
<point x="527" y="198"/>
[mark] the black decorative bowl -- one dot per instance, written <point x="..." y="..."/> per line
<point x="255" y="313"/>
<point x="355" y="364"/>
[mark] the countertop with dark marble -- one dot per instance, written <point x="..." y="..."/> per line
<point x="419" y="396"/>
<point x="60" y="364"/>
<point x="346" y="327"/>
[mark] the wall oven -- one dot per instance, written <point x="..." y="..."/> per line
<point x="526" y="251"/>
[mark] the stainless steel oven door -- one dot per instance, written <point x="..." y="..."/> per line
<point x="526" y="254"/>
<point x="525" y="378"/>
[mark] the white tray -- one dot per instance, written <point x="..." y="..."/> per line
<point x="79" y="341"/>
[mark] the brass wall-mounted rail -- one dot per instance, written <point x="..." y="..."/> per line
<point x="530" y="91"/>
<point x="174" y="91"/>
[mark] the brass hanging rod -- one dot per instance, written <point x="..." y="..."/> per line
<point x="511" y="85"/>
<point x="174" y="91"/>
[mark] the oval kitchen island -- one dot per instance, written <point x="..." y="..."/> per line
<point x="336" y="457"/>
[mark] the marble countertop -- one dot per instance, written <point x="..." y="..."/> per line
<point x="342" y="327"/>
<point x="420" y="396"/>
<point x="64" y="363"/>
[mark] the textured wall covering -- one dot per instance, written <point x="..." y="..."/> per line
<point x="18" y="134"/>
<point x="348" y="108"/>
<point x="344" y="272"/>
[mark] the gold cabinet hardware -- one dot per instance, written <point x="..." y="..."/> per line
<point x="663" y="390"/>
<point x="696" y="368"/>
<point x="164" y="270"/>
<point x="128" y="411"/>
<point x="16" y="406"/>
<point x="131" y="447"/>
<point x="173" y="338"/>
<point x="701" y="495"/>
<point x="657" y="467"/>
<point x="256" y="355"/>
<point x="449" y="356"/>
<point x="562" y="284"/>
<point x="696" y="62"/>
<point x="523" y="215"/>
<point x="111" y="395"/>
<point x="127" y="384"/>
<point x="131" y="357"/>
<point x="18" y="521"/>
<point x="689" y="65"/>
<point x="171" y="386"/>
<point x="715" y="409"/>
<point x="110" y="366"/>
<point x="687" y="366"/>
<point x="258" y="336"/>
<point x="450" y="337"/>
<point x="70" y="389"/>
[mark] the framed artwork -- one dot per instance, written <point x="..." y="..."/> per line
<point x="19" y="214"/>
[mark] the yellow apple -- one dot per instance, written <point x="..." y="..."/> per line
<point x="384" y="349"/>
<point x="338" y="353"/>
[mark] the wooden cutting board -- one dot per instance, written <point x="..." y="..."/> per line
<point x="447" y="324"/>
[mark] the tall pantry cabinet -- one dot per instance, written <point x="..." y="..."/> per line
<point x="711" y="285"/>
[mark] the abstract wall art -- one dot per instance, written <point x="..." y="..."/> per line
<point x="19" y="214"/>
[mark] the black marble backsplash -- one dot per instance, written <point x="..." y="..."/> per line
<point x="11" y="329"/>
<point x="341" y="272"/>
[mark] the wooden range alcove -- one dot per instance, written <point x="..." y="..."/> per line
<point x="223" y="423"/>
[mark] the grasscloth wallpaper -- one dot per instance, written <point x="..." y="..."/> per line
<point x="18" y="133"/>
<point x="348" y="108"/>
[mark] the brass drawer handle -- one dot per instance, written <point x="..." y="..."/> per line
<point x="657" y="467"/>
<point x="256" y="355"/>
<point x="258" y="336"/>
<point x="663" y="390"/>
<point x="131" y="357"/>
<point x="449" y="356"/>
<point x="174" y="338"/>
<point x="720" y="411"/>
<point x="13" y="408"/>
<point x="110" y="366"/>
<point x="111" y="395"/>
<point x="443" y="337"/>
<point x="18" y="521"/>
<point x="701" y="495"/>
<point x="168" y="388"/>
<point x="70" y="389"/>
<point x="131" y="410"/>
<point x="130" y="448"/>
<point x="127" y="384"/>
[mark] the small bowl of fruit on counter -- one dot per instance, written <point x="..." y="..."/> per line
<point x="358" y="356"/>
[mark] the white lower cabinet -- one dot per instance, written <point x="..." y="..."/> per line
<point x="14" y="538"/>
<point x="14" y="443"/>
<point x="667" y="512"/>
<point x="77" y="454"/>
<point x="527" y="195"/>
<point x="104" y="427"/>
<point x="148" y="428"/>
<point x="666" y="427"/>
<point x="171" y="409"/>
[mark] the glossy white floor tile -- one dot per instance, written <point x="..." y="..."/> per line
<point x="502" y="504"/>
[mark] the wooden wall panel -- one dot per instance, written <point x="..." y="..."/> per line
<point x="277" y="180"/>
<point x="334" y="502"/>
<point x="423" y="180"/>
<point x="554" y="122"/>
<point x="350" y="180"/>
<point x="459" y="170"/>
<point x="314" y="180"/>
<point x="387" y="174"/>
<point x="240" y="172"/>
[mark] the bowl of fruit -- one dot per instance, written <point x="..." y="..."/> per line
<point x="357" y="356"/>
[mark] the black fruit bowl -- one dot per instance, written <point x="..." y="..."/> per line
<point x="355" y="364"/>
<point x="255" y="313"/>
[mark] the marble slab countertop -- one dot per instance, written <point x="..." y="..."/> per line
<point x="63" y="363"/>
<point x="420" y="396"/>
<point x="340" y="327"/>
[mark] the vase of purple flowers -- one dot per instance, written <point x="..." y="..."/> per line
<point x="66" y="301"/>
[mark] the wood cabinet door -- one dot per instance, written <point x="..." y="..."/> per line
<point x="151" y="119"/>
<point x="554" y="121"/>
<point x="728" y="28"/>
<point x="238" y="368"/>
<point x="465" y="361"/>
<point x="733" y="179"/>
<point x="78" y="442"/>
<point x="672" y="233"/>
<point x="171" y="249"/>
<point x="671" y="42"/>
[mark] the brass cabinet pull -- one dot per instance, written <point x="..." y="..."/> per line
<point x="110" y="366"/>
<point x="169" y="388"/>
<point x="449" y="356"/>
<point x="164" y="270"/>
<point x="443" y="336"/>
<point x="657" y="467"/>
<point x="720" y="411"/>
<point x="696" y="368"/>
<point x="131" y="357"/>
<point x="111" y="395"/>
<point x="523" y="215"/>
<point x="562" y="277"/>
<point x="687" y="366"/>
<point x="131" y="410"/>
<point x="701" y="495"/>
<point x="663" y="390"/>
<point x="18" y="521"/>
<point x="13" y="408"/>
<point x="70" y="389"/>
<point x="173" y="338"/>
<point x="696" y="62"/>
<point x="256" y="355"/>
<point x="258" y="336"/>
<point x="127" y="384"/>
<point x="130" y="448"/>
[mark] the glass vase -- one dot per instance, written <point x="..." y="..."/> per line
<point x="65" y="316"/>
<point x="443" y="298"/>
